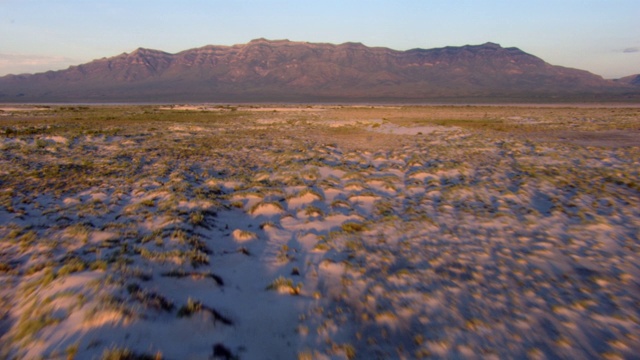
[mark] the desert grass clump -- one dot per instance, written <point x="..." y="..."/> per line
<point x="330" y="182"/>
<point x="79" y="231"/>
<point x="383" y="208"/>
<point x="353" y="245"/>
<point x="282" y="284"/>
<point x="148" y="202"/>
<point x="313" y="211"/>
<point x="37" y="316"/>
<point x="340" y="203"/>
<point x="309" y="191"/>
<point x="237" y="204"/>
<point x="268" y="224"/>
<point x="71" y="351"/>
<point x="354" y="176"/>
<point x="40" y="282"/>
<point x="355" y="185"/>
<point x="243" y="235"/>
<point x="197" y="258"/>
<point x="26" y="240"/>
<point x="117" y="353"/>
<point x="160" y="256"/>
<point x="7" y="269"/>
<point x="352" y="227"/>
<point x="349" y="351"/>
<point x="322" y="245"/>
<point x="179" y="236"/>
<point x="149" y="299"/>
<point x="99" y="265"/>
<point x="180" y="273"/>
<point x="193" y="306"/>
<point x="284" y="254"/>
<point x="29" y="325"/>
<point x="196" y="218"/>
<point x="264" y="204"/>
<point x="72" y="265"/>
<point x="196" y="243"/>
<point x="293" y="180"/>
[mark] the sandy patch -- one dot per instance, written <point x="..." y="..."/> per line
<point x="56" y="139"/>
<point x="193" y="108"/>
<point x="22" y="108"/>
<point x="187" y="128"/>
<point x="280" y="109"/>
<point x="415" y="130"/>
<point x="341" y="123"/>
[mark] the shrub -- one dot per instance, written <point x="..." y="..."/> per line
<point x="29" y="325"/>
<point x="148" y="202"/>
<point x="352" y="227"/>
<point x="196" y="218"/>
<point x="313" y="211"/>
<point x="190" y="308"/>
<point x="286" y="285"/>
<point x="73" y="265"/>
<point x="126" y="354"/>
<point x="193" y="307"/>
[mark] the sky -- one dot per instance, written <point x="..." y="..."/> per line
<point x="601" y="36"/>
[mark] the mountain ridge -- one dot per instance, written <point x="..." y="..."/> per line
<point x="283" y="70"/>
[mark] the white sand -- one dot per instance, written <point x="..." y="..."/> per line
<point x="449" y="245"/>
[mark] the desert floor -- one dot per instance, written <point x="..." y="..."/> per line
<point x="284" y="232"/>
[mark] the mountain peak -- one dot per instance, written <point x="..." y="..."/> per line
<point x="141" y="50"/>
<point x="490" y="44"/>
<point x="146" y="52"/>
<point x="354" y="44"/>
<point x="267" y="41"/>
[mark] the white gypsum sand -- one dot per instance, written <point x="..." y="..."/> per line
<point x="442" y="232"/>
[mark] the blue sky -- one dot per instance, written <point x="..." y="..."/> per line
<point x="601" y="36"/>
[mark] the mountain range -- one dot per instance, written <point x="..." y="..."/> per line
<point x="286" y="71"/>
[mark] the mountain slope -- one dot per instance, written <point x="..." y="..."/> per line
<point x="282" y="70"/>
<point x="630" y="80"/>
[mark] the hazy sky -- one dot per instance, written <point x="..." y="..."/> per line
<point x="602" y="36"/>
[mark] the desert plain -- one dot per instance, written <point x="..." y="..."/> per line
<point x="319" y="232"/>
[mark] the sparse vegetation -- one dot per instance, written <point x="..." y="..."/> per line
<point x="441" y="244"/>
<point x="117" y="353"/>
<point x="193" y="307"/>
<point x="352" y="227"/>
<point x="285" y="285"/>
